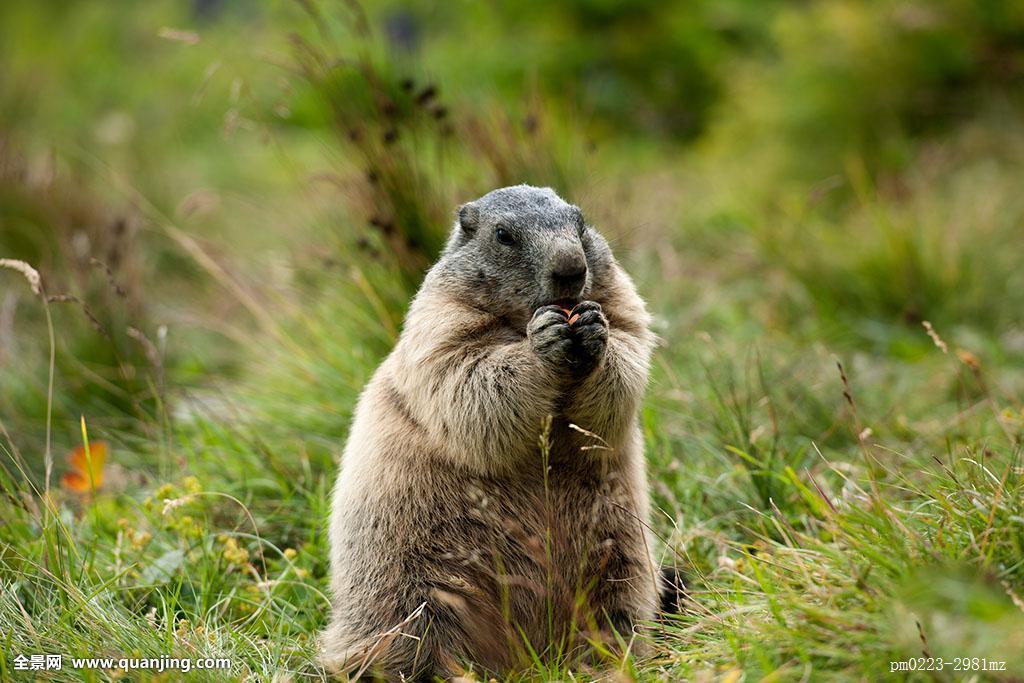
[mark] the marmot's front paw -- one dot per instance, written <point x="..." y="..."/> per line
<point x="550" y="336"/>
<point x="589" y="337"/>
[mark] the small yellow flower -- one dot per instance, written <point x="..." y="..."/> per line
<point x="188" y="527"/>
<point x="191" y="484"/>
<point x="233" y="553"/>
<point x="290" y="553"/>
<point x="182" y="628"/>
<point x="165" y="491"/>
<point x="139" y="539"/>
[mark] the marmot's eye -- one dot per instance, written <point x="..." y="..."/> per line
<point x="504" y="236"/>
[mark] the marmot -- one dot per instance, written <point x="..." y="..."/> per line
<point x="458" y="536"/>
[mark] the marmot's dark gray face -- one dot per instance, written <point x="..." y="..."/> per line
<point x="519" y="248"/>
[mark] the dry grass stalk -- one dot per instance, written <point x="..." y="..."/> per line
<point x="941" y="345"/>
<point x="30" y="273"/>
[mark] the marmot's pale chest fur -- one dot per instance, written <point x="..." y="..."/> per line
<point x="455" y="537"/>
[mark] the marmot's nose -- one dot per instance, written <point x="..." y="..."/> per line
<point x="568" y="278"/>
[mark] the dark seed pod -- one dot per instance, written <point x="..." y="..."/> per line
<point x="426" y="95"/>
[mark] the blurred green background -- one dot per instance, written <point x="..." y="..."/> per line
<point x="231" y="203"/>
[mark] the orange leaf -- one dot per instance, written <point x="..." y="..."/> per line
<point x="85" y="472"/>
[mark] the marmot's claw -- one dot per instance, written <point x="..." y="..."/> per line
<point x="589" y="336"/>
<point x="550" y="308"/>
<point x="549" y="334"/>
<point x="585" y="307"/>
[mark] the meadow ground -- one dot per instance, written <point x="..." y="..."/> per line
<point x="229" y="209"/>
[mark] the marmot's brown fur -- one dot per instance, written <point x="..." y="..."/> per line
<point x="455" y="537"/>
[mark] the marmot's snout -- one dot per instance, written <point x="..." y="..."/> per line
<point x="568" y="274"/>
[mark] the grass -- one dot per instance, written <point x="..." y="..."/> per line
<point x="841" y="482"/>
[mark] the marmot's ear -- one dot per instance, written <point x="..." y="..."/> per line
<point x="577" y="217"/>
<point x="469" y="218"/>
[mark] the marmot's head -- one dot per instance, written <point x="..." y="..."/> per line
<point x="519" y="248"/>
